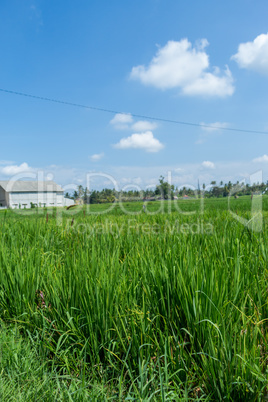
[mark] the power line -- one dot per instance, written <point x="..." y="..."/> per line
<point x="140" y="116"/>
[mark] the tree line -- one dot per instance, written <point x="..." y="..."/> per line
<point x="165" y="190"/>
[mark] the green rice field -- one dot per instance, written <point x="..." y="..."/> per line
<point x="113" y="303"/>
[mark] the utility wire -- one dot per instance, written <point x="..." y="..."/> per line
<point x="140" y="116"/>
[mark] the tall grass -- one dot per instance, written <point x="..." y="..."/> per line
<point x="139" y="306"/>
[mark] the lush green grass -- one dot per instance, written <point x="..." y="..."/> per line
<point x="155" y="306"/>
<point x="28" y="373"/>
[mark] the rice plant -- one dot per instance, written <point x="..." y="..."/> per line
<point x="147" y="306"/>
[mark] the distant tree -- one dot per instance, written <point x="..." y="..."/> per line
<point x="225" y="191"/>
<point x="94" y="197"/>
<point x="216" y="191"/>
<point x="165" y="189"/>
<point x="80" y="191"/>
<point x="86" y="196"/>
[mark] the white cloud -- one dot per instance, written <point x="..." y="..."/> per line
<point x="213" y="126"/>
<point x="15" y="169"/>
<point x="208" y="165"/>
<point x="144" y="126"/>
<point x="97" y="157"/>
<point x="121" y="121"/>
<point x="145" y="141"/>
<point x="261" y="159"/>
<point x="253" y="55"/>
<point x="180" y="65"/>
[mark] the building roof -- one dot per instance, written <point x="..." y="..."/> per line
<point x="30" y="186"/>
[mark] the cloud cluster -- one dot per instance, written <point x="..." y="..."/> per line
<point x="145" y="141"/>
<point x="180" y="65"/>
<point x="253" y="55"/>
<point x="143" y="138"/>
<point x="125" y="121"/>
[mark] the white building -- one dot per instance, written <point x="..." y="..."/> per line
<point x="24" y="194"/>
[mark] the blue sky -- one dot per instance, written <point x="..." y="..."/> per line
<point x="199" y="62"/>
